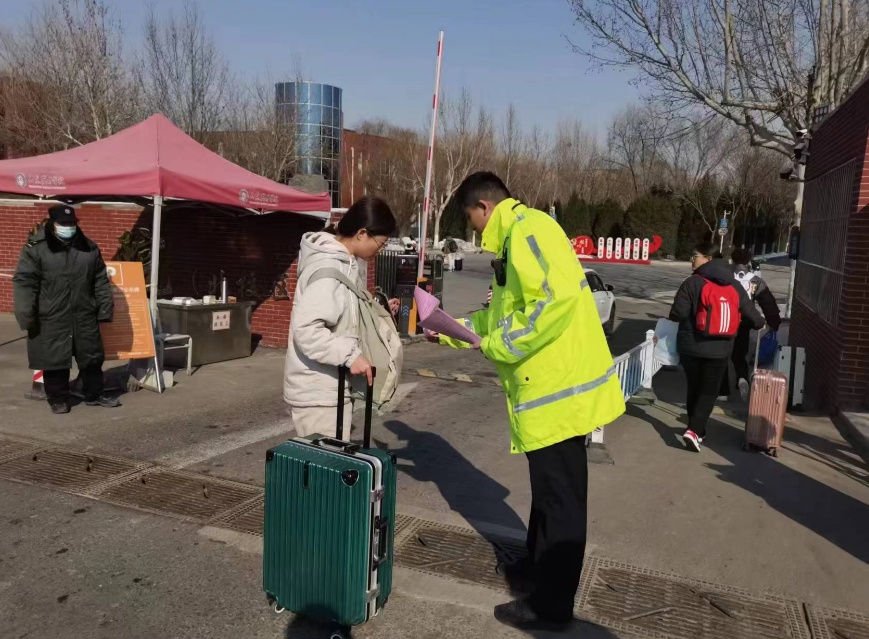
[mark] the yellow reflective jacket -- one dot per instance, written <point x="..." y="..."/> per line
<point x="543" y="333"/>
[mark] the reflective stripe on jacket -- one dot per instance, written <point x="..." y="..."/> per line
<point x="543" y="333"/>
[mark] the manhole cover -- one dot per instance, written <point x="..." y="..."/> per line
<point x="248" y="520"/>
<point x="65" y="469"/>
<point x="829" y="623"/>
<point x="653" y="604"/>
<point x="178" y="493"/>
<point x="458" y="553"/>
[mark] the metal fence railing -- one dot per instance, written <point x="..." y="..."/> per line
<point x="384" y="271"/>
<point x="635" y="370"/>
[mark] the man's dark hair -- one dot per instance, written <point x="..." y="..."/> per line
<point x="707" y="249"/>
<point x="480" y="186"/>
<point x="740" y="256"/>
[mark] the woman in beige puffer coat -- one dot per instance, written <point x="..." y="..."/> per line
<point x="324" y="327"/>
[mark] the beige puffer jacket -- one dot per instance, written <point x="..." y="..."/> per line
<point x="324" y="327"/>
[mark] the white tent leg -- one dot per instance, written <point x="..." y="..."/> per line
<point x="155" y="253"/>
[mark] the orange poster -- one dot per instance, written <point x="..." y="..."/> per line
<point x="130" y="334"/>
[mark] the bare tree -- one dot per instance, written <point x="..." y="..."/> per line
<point x="465" y="137"/>
<point x="762" y="65"/>
<point x="575" y="155"/>
<point x="182" y="72"/>
<point x="258" y="136"/>
<point x="635" y="140"/>
<point x="511" y="142"/>
<point x="535" y="186"/>
<point x="65" y="80"/>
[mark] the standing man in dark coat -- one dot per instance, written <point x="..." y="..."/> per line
<point x="61" y="292"/>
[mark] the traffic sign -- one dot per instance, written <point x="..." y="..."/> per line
<point x="722" y="231"/>
<point x="723" y="223"/>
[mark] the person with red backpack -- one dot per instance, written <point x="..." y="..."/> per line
<point x="709" y="308"/>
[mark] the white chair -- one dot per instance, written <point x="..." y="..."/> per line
<point x="180" y="342"/>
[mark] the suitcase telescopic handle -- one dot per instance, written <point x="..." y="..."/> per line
<point x="760" y="334"/>
<point x="369" y="406"/>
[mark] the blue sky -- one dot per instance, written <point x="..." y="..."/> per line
<point x="381" y="52"/>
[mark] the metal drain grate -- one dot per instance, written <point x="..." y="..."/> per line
<point x="10" y="449"/>
<point x="247" y="518"/>
<point x="66" y="470"/>
<point x="651" y="604"/>
<point x="457" y="553"/>
<point x="181" y="494"/>
<point x="830" y="623"/>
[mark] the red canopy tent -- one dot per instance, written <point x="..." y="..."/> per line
<point x="154" y="159"/>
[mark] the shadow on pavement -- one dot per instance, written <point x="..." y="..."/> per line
<point x="468" y="490"/>
<point x="305" y="628"/>
<point x="835" y="516"/>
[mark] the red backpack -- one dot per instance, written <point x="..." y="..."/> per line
<point x="718" y="311"/>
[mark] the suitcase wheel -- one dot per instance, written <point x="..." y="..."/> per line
<point x="340" y="633"/>
<point x="773" y="452"/>
<point x="276" y="608"/>
<point x="746" y="447"/>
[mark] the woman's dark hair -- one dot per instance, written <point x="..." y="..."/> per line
<point x="740" y="256"/>
<point x="369" y="213"/>
<point x="708" y="249"/>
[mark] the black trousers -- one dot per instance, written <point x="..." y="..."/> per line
<point x="704" y="384"/>
<point x="739" y="357"/>
<point x="57" y="383"/>
<point x="557" y="527"/>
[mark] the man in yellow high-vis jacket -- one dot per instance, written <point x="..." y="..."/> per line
<point x="543" y="333"/>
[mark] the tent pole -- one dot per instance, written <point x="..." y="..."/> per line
<point x="155" y="253"/>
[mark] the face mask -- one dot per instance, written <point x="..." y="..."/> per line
<point x="65" y="232"/>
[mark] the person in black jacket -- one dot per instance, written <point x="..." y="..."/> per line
<point x="704" y="358"/>
<point x="61" y="294"/>
<point x="758" y="291"/>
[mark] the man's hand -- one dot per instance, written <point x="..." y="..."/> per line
<point x="394" y="305"/>
<point x="362" y="367"/>
<point x="431" y="336"/>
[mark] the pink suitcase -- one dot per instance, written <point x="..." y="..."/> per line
<point x="767" y="410"/>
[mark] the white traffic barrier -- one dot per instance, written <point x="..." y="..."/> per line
<point x="635" y="370"/>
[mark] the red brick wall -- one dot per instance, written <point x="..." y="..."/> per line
<point x="198" y="243"/>
<point x="102" y="223"/>
<point x="837" y="367"/>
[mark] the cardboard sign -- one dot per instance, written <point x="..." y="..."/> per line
<point x="130" y="334"/>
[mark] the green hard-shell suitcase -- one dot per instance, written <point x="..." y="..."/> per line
<point x="329" y="526"/>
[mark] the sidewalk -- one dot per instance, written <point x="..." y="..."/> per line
<point x="787" y="531"/>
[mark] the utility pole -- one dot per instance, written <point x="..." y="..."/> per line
<point x="798" y="173"/>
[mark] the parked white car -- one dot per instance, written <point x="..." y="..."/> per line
<point x="605" y="300"/>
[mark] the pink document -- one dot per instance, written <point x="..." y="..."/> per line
<point x="436" y="320"/>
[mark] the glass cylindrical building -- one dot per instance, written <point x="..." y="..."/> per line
<point x="316" y="110"/>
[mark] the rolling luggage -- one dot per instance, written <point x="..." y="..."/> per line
<point x="767" y="410"/>
<point x="329" y="525"/>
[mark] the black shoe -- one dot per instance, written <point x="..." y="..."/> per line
<point x="519" y="614"/>
<point x="105" y="401"/>
<point x="58" y="406"/>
